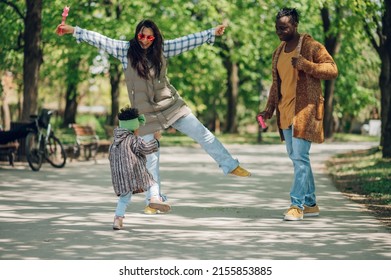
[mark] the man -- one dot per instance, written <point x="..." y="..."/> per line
<point x="299" y="64"/>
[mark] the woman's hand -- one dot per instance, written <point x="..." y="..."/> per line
<point x="64" y="29"/>
<point x="219" y="31"/>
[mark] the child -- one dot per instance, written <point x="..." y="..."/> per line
<point x="127" y="156"/>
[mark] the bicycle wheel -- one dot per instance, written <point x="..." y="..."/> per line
<point x="55" y="153"/>
<point x="33" y="154"/>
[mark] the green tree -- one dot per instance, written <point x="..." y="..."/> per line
<point x="32" y="57"/>
<point x="224" y="84"/>
<point x="332" y="44"/>
<point x="30" y="39"/>
<point x="376" y="19"/>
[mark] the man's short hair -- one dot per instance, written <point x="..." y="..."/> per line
<point x="289" y="12"/>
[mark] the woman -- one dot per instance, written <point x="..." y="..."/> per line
<point x="144" y="61"/>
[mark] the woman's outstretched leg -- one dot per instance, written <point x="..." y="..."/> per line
<point x="193" y="128"/>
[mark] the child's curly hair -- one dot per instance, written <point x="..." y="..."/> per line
<point x="127" y="113"/>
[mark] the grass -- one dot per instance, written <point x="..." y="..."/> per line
<point x="365" y="171"/>
<point x="346" y="137"/>
<point x="365" y="177"/>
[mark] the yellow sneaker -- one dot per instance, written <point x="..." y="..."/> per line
<point x="241" y="172"/>
<point x="311" y="211"/>
<point x="150" y="211"/>
<point x="294" y="213"/>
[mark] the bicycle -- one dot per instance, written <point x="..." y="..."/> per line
<point x="43" y="144"/>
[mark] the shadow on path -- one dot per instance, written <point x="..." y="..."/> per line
<point x="67" y="213"/>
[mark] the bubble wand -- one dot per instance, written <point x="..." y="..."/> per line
<point x="261" y="121"/>
<point x="64" y="17"/>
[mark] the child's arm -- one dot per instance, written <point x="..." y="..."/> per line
<point x="146" y="148"/>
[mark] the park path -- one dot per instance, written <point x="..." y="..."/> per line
<point x="66" y="214"/>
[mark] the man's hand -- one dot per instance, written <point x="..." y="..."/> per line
<point x="265" y="115"/>
<point x="294" y="62"/>
<point x="298" y="61"/>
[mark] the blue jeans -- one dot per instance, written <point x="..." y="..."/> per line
<point x="193" y="128"/>
<point x="122" y="204"/>
<point x="303" y="186"/>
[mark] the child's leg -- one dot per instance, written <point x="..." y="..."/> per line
<point x="123" y="202"/>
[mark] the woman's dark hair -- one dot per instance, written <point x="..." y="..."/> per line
<point x="142" y="60"/>
<point x="289" y="12"/>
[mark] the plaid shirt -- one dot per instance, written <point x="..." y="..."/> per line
<point x="119" y="48"/>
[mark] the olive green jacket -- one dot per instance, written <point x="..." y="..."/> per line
<point x="156" y="98"/>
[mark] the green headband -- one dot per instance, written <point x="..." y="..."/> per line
<point x="132" y="124"/>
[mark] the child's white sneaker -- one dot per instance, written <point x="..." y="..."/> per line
<point x="118" y="223"/>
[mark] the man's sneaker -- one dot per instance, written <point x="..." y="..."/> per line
<point x="157" y="204"/>
<point x="118" y="223"/>
<point x="294" y="213"/>
<point x="311" y="211"/>
<point x="241" y="172"/>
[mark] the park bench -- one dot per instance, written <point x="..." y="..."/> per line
<point x="87" y="142"/>
<point x="9" y="150"/>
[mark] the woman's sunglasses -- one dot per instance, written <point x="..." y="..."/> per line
<point x="141" y="36"/>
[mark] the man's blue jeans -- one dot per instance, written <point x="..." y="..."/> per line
<point x="193" y="128"/>
<point x="303" y="186"/>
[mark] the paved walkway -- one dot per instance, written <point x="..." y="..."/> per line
<point x="67" y="213"/>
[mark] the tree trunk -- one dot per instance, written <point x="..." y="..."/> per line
<point x="70" y="105"/>
<point x="332" y="45"/>
<point x="115" y="70"/>
<point x="215" y="124"/>
<point x="385" y="89"/>
<point x="32" y="57"/>
<point x="71" y="102"/>
<point x="382" y="44"/>
<point x="232" y="96"/>
<point x="6" y="87"/>
<point x="115" y="78"/>
<point x="328" y="121"/>
<point x="5" y="112"/>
